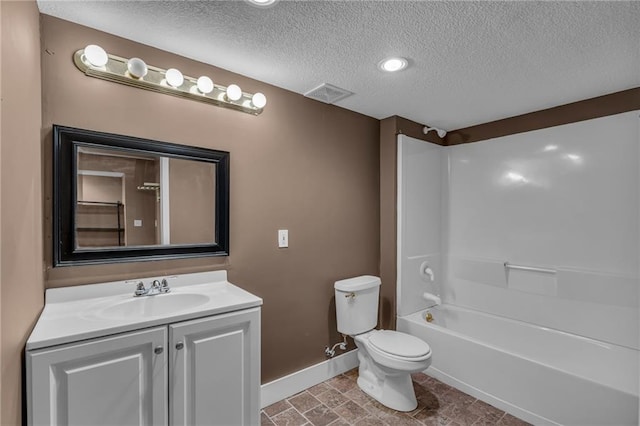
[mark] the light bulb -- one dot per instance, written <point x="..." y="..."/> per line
<point x="174" y="77"/>
<point x="259" y="100"/>
<point x="137" y="68"/>
<point x="96" y="55"/>
<point x="234" y="92"/>
<point x="205" y="84"/>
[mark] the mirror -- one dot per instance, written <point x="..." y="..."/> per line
<point x="119" y="198"/>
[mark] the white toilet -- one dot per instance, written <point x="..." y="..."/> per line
<point x="387" y="358"/>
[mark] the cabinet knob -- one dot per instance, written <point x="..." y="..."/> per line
<point x="158" y="350"/>
<point x="179" y="345"/>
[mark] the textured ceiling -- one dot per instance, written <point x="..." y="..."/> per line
<point x="470" y="62"/>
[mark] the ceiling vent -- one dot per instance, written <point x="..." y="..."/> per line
<point x="328" y="93"/>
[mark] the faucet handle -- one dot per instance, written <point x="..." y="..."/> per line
<point x="164" y="286"/>
<point x="140" y="290"/>
<point x="426" y="273"/>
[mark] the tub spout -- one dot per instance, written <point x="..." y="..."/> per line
<point x="432" y="298"/>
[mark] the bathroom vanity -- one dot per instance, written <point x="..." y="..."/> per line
<point x="100" y="356"/>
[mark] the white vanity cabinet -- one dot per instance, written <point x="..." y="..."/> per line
<point x="215" y="370"/>
<point x="117" y="380"/>
<point x="200" y="372"/>
<point x="99" y="356"/>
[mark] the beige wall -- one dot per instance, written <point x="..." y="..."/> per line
<point x="388" y="220"/>
<point x="21" y="276"/>
<point x="302" y="165"/>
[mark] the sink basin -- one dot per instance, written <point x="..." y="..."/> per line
<point x="153" y="306"/>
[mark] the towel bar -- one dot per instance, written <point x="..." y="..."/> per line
<point x="508" y="265"/>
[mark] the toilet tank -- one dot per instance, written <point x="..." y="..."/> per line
<point x="357" y="304"/>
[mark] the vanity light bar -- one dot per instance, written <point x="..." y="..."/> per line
<point x="95" y="62"/>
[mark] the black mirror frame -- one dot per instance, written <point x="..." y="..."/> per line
<point x="64" y="199"/>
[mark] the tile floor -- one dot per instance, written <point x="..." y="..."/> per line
<point x="339" y="401"/>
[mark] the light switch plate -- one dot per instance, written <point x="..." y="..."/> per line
<point x="137" y="222"/>
<point x="283" y="238"/>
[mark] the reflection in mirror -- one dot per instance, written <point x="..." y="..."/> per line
<point x="120" y="198"/>
<point x="128" y="199"/>
<point x="191" y="184"/>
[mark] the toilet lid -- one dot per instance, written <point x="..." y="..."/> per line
<point x="400" y="344"/>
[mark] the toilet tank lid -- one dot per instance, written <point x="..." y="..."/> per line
<point x="358" y="283"/>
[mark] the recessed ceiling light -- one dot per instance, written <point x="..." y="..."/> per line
<point x="262" y="3"/>
<point x="393" y="64"/>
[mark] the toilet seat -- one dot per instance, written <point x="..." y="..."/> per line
<point x="400" y="346"/>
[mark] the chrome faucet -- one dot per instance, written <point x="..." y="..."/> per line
<point x="157" y="287"/>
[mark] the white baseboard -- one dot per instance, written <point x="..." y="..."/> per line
<point x="287" y="386"/>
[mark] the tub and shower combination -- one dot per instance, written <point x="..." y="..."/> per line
<point x="555" y="340"/>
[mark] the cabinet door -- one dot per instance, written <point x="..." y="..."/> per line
<point x="118" y="380"/>
<point x="214" y="373"/>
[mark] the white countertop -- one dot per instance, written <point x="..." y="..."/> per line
<point x="83" y="312"/>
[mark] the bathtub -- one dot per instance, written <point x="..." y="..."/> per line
<point x="540" y="375"/>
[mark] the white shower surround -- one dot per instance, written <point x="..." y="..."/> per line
<point x="565" y="198"/>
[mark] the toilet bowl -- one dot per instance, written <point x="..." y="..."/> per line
<point x="387" y="358"/>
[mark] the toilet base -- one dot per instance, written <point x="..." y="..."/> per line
<point x="393" y="391"/>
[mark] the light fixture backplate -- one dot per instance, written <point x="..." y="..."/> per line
<point x="116" y="71"/>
